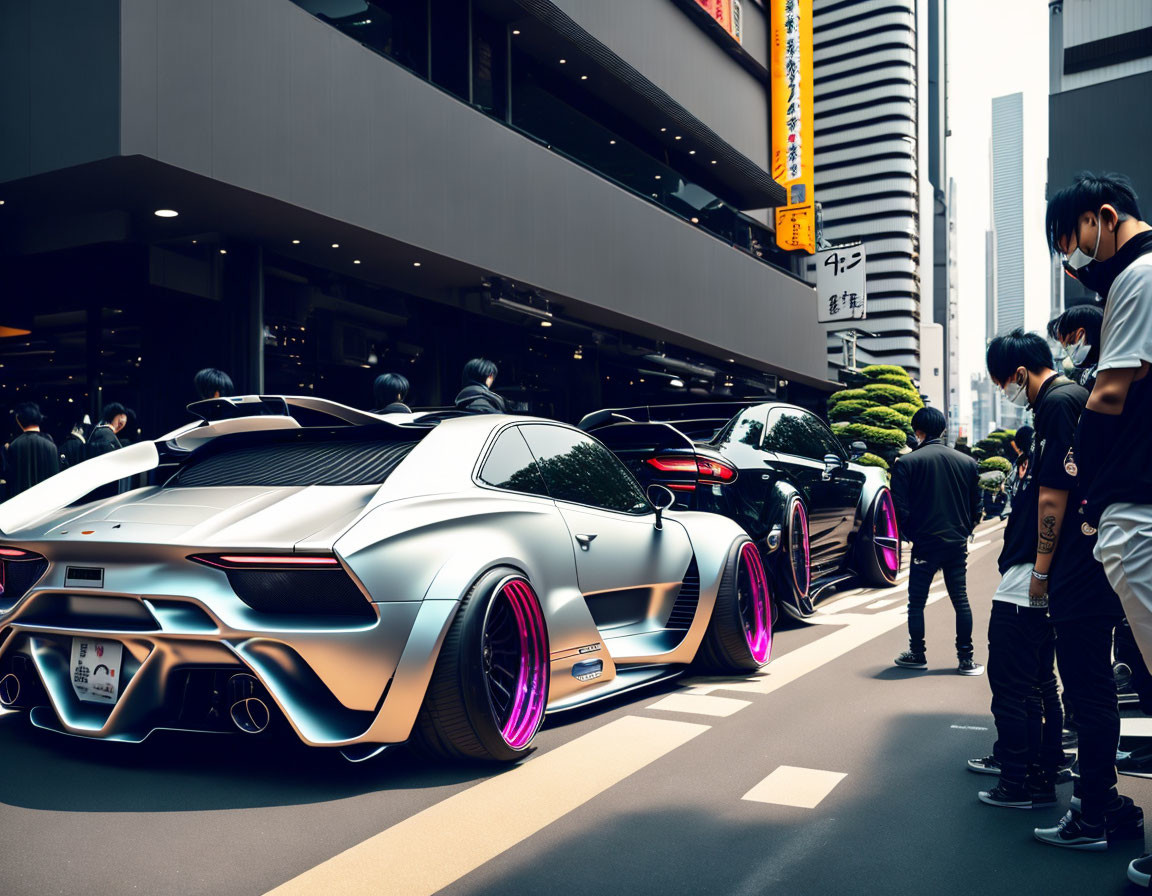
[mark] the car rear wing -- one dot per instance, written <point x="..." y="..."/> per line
<point x="699" y="421"/>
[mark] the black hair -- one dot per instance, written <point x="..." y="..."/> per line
<point x="1011" y="351"/>
<point x="477" y="371"/>
<point x="929" y="421"/>
<point x="1023" y="440"/>
<point x="388" y="387"/>
<point x="112" y="411"/>
<point x="28" y="414"/>
<point x="1087" y="193"/>
<point x="1088" y="317"/>
<point x="209" y="381"/>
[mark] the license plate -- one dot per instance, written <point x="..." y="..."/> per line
<point x="96" y="669"/>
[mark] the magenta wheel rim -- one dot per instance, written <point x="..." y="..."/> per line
<point x="755" y="602"/>
<point x="799" y="552"/>
<point x="886" y="535"/>
<point x="515" y="656"/>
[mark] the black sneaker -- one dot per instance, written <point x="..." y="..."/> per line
<point x="1140" y="870"/>
<point x="1072" y="833"/>
<point x="1008" y="795"/>
<point x="1124" y="821"/>
<point x="910" y="660"/>
<point x="986" y="766"/>
<point x="969" y="667"/>
<point x="1043" y="794"/>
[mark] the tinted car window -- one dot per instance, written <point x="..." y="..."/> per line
<point x="579" y="469"/>
<point x="790" y="432"/>
<point x="747" y="427"/>
<point x="824" y="435"/>
<point x="510" y="465"/>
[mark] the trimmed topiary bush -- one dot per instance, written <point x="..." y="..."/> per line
<point x="889" y="418"/>
<point x="847" y="395"/>
<point x="872" y="460"/>
<point x="891" y="379"/>
<point x="991" y="481"/>
<point x="879" y="440"/>
<point x="848" y="410"/>
<point x="1002" y="464"/>
<point x="885" y="393"/>
<point x="906" y="408"/>
<point x="877" y="370"/>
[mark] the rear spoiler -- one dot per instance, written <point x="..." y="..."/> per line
<point x="689" y="418"/>
<point x="213" y="409"/>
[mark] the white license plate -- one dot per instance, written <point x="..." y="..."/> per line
<point x="96" y="669"/>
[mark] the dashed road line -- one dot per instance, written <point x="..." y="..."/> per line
<point x="700" y="704"/>
<point x="804" y="788"/>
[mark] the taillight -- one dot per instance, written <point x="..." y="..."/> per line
<point x="268" y="561"/>
<point x="19" y="571"/>
<point x="710" y="471"/>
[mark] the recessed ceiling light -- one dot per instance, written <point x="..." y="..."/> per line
<point x="335" y="245"/>
<point x="415" y="264"/>
<point x="677" y="137"/>
<point x="223" y="251"/>
<point x="165" y="213"/>
<point x="295" y="242"/>
<point x="662" y="130"/>
<point x="713" y="161"/>
<point x="545" y="323"/>
<point x="583" y="77"/>
<point x="695" y="220"/>
<point x="193" y="242"/>
<point x="562" y="61"/>
<point x="657" y="177"/>
<point x="1" y="201"/>
<point x="355" y="261"/>
<point x="691" y="152"/>
<point x="611" y="142"/>
<point x="515" y="30"/>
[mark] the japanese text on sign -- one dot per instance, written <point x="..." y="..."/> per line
<point x="792" y="121"/>
<point x="841" y="286"/>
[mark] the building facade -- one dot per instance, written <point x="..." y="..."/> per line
<point x="867" y="165"/>
<point x="370" y="185"/>
<point x="1100" y="79"/>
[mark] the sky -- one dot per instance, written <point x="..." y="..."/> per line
<point x="995" y="47"/>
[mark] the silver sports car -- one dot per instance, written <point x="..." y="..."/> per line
<point x="360" y="580"/>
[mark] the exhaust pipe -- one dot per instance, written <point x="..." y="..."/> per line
<point x="248" y="711"/>
<point x="9" y="689"/>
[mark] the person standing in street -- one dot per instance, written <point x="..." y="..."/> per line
<point x="74" y="449"/>
<point x="1095" y="226"/>
<point x="212" y="383"/>
<point x="476" y="395"/>
<point x="1078" y="332"/>
<point x="389" y="392"/>
<point x="113" y="419"/>
<point x="32" y="455"/>
<point x="937" y="496"/>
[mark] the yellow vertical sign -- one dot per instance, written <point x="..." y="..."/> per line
<point x="792" y="128"/>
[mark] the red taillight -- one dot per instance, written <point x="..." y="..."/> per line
<point x="17" y="554"/>
<point x="267" y="561"/>
<point x="682" y="486"/>
<point x="711" y="471"/>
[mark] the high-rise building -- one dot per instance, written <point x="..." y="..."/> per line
<point x="1100" y="78"/>
<point x="952" y="320"/>
<point x="1008" y="227"/>
<point x="867" y="172"/>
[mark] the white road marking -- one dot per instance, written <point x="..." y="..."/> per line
<point x="968" y="727"/>
<point x="804" y="788"/>
<point x="427" y="852"/>
<point x="976" y="545"/>
<point x="701" y="705"/>
<point x="1138" y="727"/>
<point x="876" y="605"/>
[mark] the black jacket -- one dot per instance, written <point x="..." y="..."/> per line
<point x="936" y="490"/>
<point x="73" y="451"/>
<point x="102" y="440"/>
<point x="397" y="407"/>
<point x="479" y="399"/>
<point x="32" y="458"/>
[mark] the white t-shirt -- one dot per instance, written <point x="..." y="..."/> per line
<point x="1126" y="333"/>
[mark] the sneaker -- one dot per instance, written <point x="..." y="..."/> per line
<point x="969" y="667"/>
<point x="1122" y="673"/>
<point x="1140" y="870"/>
<point x="1072" y="833"/>
<point x="1124" y="821"/>
<point x="1043" y="794"/>
<point x="910" y="660"/>
<point x="986" y="766"/>
<point x="1007" y="795"/>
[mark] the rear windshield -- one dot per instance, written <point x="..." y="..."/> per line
<point x="304" y="458"/>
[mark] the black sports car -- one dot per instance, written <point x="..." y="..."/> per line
<point x="819" y="519"/>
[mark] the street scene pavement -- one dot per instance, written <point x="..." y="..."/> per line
<point x="831" y="771"/>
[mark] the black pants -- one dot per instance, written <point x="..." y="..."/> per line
<point x="1128" y="652"/>
<point x="1084" y="648"/>
<point x="953" y="560"/>
<point x="1028" y="717"/>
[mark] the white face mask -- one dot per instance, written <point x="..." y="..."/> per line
<point x="1017" y="394"/>
<point x="1079" y="259"/>
<point x="1078" y="352"/>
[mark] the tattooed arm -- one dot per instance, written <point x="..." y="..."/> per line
<point x="1053" y="503"/>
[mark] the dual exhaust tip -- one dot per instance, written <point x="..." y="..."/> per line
<point x="247" y="706"/>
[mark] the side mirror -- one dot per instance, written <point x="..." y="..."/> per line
<point x="661" y="498"/>
<point x="858" y="449"/>
<point x="832" y="463"/>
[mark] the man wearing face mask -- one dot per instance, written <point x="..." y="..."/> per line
<point x="1078" y="332"/>
<point x="937" y="496"/>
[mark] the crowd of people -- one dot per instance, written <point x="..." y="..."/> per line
<point x="33" y="455"/>
<point x="1075" y="591"/>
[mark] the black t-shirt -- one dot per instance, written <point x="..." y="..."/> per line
<point x="1020" y="533"/>
<point x="1078" y="586"/>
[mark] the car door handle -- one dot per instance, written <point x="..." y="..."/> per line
<point x="585" y="541"/>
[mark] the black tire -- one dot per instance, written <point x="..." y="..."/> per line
<point x="460" y="719"/>
<point x="871" y="564"/>
<point x="728" y="644"/>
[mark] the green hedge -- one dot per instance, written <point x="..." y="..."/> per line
<point x="893" y="380"/>
<point x="847" y="395"/>
<point x="905" y="407"/>
<point x="991" y="481"/>
<point x="848" y="410"/>
<point x="877" y="370"/>
<point x="872" y="460"/>
<point x="880" y="440"/>
<point x="888" y="418"/>
<point x="1001" y="464"/>
<point x="885" y="393"/>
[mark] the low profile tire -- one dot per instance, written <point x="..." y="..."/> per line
<point x="739" y="636"/>
<point x="489" y="689"/>
<point x="878" y="550"/>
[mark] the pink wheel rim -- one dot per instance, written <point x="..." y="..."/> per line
<point x="800" y="553"/>
<point x="515" y="662"/>
<point x="886" y="528"/>
<point x="755" y="603"/>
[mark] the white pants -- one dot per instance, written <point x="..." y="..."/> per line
<point x="1124" y="546"/>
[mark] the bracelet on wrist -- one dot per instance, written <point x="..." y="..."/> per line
<point x="1040" y="576"/>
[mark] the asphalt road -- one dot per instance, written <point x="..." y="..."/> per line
<point x="833" y="772"/>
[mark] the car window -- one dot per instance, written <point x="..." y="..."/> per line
<point x="579" y="469"/>
<point x="825" y="436"/>
<point x="791" y="431"/>
<point x="747" y="428"/>
<point x="511" y="465"/>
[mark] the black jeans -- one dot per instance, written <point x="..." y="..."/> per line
<point x="1128" y="652"/>
<point x="1028" y="717"/>
<point x="953" y="560"/>
<point x="1084" y="648"/>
